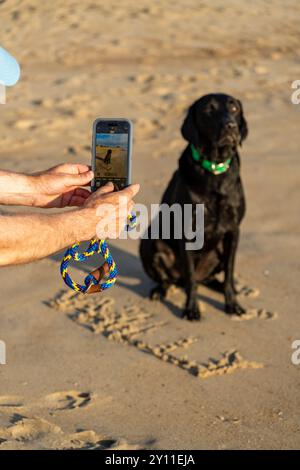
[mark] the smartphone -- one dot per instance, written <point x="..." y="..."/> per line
<point x="111" y="152"/>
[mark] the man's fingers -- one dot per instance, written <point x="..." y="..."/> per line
<point x="70" y="168"/>
<point x="130" y="206"/>
<point x="75" y="198"/>
<point x="130" y="191"/>
<point x="107" y="188"/>
<point x="80" y="179"/>
<point x="81" y="168"/>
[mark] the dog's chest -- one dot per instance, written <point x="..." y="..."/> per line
<point x="222" y="212"/>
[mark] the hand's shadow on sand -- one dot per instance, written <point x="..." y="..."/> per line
<point x="131" y="276"/>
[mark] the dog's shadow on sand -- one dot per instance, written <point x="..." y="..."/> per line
<point x="131" y="276"/>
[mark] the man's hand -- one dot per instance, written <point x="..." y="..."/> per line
<point x="60" y="186"/>
<point x="105" y="212"/>
<point x="29" y="237"/>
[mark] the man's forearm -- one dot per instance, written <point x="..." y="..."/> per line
<point x="16" y="189"/>
<point x="29" y="237"/>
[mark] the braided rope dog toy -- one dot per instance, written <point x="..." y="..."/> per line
<point x="109" y="271"/>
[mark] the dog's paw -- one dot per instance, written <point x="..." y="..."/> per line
<point x="192" y="314"/>
<point x="234" y="308"/>
<point x="157" y="293"/>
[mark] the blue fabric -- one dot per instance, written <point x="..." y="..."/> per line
<point x="9" y="69"/>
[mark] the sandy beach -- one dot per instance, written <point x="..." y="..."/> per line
<point x="116" y="370"/>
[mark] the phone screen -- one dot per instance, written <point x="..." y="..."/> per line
<point x="111" y="148"/>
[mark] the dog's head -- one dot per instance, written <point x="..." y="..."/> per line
<point x="215" y="120"/>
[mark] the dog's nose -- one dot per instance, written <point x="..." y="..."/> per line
<point x="230" y="125"/>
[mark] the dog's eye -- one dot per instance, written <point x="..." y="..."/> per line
<point x="233" y="108"/>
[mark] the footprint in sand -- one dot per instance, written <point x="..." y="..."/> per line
<point x="10" y="401"/>
<point x="21" y="430"/>
<point x="32" y="432"/>
<point x="245" y="290"/>
<point x="64" y="400"/>
<point x="255" y="313"/>
<point x="26" y="429"/>
<point x="92" y="441"/>
<point x="67" y="400"/>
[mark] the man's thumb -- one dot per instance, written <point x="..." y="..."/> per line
<point x="78" y="180"/>
<point x="107" y="188"/>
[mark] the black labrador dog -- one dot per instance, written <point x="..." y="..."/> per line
<point x="209" y="174"/>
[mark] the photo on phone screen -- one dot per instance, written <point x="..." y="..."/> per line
<point x="112" y="142"/>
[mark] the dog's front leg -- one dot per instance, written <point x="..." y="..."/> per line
<point x="230" y="246"/>
<point x="192" y="309"/>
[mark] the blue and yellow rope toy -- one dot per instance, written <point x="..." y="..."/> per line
<point x="92" y="282"/>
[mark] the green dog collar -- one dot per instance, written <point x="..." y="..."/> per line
<point x="215" y="168"/>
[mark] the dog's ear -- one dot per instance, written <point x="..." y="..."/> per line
<point x="189" y="127"/>
<point x="243" y="125"/>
